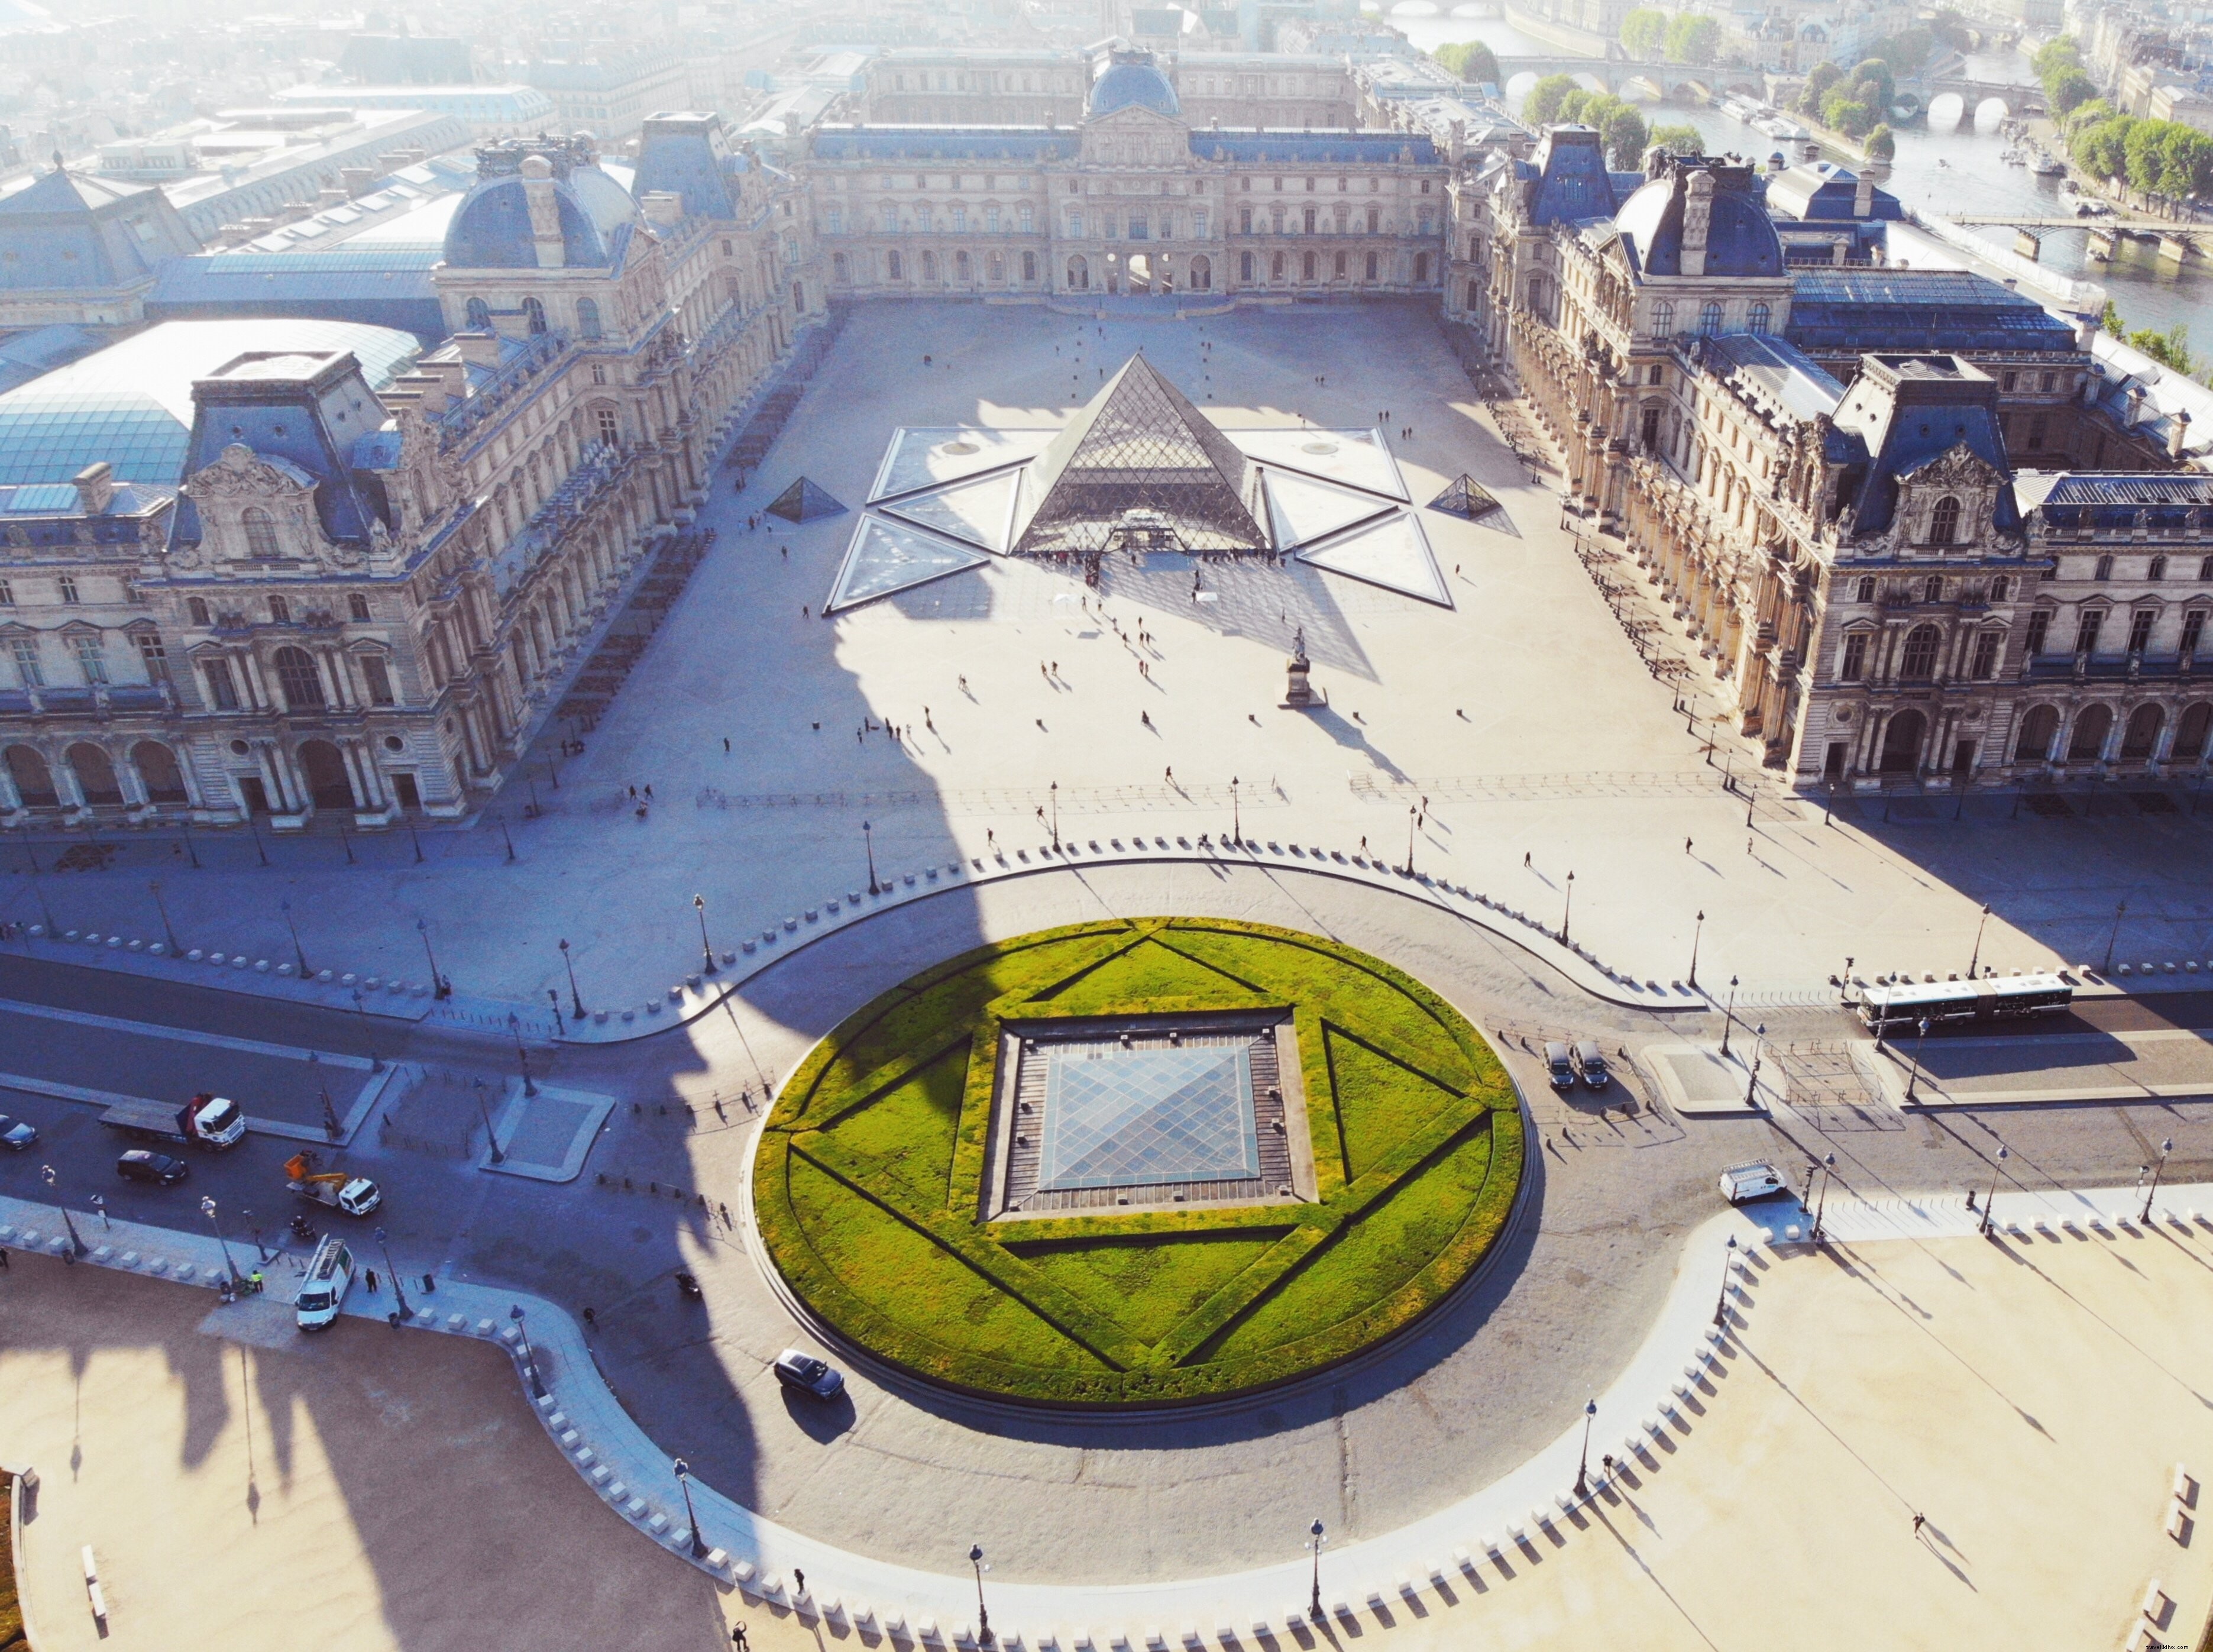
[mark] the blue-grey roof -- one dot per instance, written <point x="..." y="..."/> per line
<point x="1912" y="409"/>
<point x="1824" y="189"/>
<point x="1774" y="373"/>
<point x="26" y="356"/>
<point x="1034" y="143"/>
<point x="2160" y="502"/>
<point x="53" y="513"/>
<point x="1571" y="179"/>
<point x="383" y="287"/>
<point x="131" y="404"/>
<point x="490" y="228"/>
<point x="1315" y="148"/>
<point x="1741" y="239"/>
<point x="1130" y="79"/>
<point x="1834" y="309"/>
<point x="678" y="157"/>
<point x="70" y="232"/>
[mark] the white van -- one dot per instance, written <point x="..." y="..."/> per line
<point x="322" y="1293"/>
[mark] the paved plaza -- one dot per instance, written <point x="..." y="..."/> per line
<point x="1520" y="715"/>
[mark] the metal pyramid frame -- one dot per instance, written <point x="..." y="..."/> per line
<point x="803" y="502"/>
<point x="1466" y="497"/>
<point x="1139" y="456"/>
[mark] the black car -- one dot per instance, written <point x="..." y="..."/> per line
<point x="809" y="1374"/>
<point x="16" y="1134"/>
<point x="143" y="1164"/>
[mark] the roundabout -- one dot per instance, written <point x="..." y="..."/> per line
<point x="1136" y="1163"/>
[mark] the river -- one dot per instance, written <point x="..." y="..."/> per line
<point x="2149" y="291"/>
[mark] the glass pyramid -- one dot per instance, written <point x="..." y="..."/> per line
<point x="1139" y="1118"/>
<point x="1357" y="459"/>
<point x="1466" y="497"/>
<point x="803" y="502"/>
<point x="1139" y="457"/>
<point x="1393" y="553"/>
<point x="975" y="511"/>
<point x="1302" y="510"/>
<point x="887" y="557"/>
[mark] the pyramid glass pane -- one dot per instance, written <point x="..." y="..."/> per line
<point x="803" y="502"/>
<point x="887" y="556"/>
<point x="1139" y="454"/>
<point x="1140" y="1118"/>
<point x="922" y="456"/>
<point x="1466" y="497"/>
<point x="975" y="511"/>
<point x="1302" y="510"/>
<point x="1393" y="553"/>
<point x="1359" y="459"/>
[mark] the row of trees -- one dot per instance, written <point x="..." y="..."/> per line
<point x="2169" y="349"/>
<point x="1556" y="99"/>
<point x="2157" y="157"/>
<point x="1853" y="104"/>
<point x="1649" y="33"/>
<point x="2067" y="85"/>
<point x="1472" y="61"/>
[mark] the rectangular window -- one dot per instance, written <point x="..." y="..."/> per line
<point x="2086" y="631"/>
<point x="2007" y="381"/>
<point x="1141" y="228"/>
<point x="2193" y="628"/>
<point x="960" y="219"/>
<point x="2140" y="624"/>
<point x="7" y="595"/>
<point x="1024" y="219"/>
<point x="1309" y="221"/>
<point x="1984" y="665"/>
<point x="1075" y="226"/>
<point x="90" y="660"/>
<point x="990" y="220"/>
<point x="1244" y="220"/>
<point x="835" y="221"/>
<point x="2045" y="381"/>
<point x="28" y="670"/>
<point x="155" y="657"/>
<point x="610" y="430"/>
<point x="1198" y="225"/>
<point x="2036" y="429"/>
<point x="2039" y="626"/>
<point x="280" y="610"/>
<point x="379" y="679"/>
<point x="1855" y="664"/>
<point x="68" y="588"/>
<point x="1371" y="267"/>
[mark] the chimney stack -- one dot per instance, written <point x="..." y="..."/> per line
<point x="1698" y="220"/>
<point x="544" y="212"/>
<point x="96" y="487"/>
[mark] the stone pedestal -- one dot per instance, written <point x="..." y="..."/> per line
<point x="1299" y="695"/>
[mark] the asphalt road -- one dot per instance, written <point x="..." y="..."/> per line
<point x="1492" y="1374"/>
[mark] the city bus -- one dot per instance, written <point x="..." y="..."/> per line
<point x="1995" y="1001"/>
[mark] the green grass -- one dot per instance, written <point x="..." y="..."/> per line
<point x="868" y="1183"/>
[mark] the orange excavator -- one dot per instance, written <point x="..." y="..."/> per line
<point x="355" y="1195"/>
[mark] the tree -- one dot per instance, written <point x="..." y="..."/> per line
<point x="1472" y="61"/>
<point x="2101" y="150"/>
<point x="2169" y="349"/>
<point x="1626" y="136"/>
<point x="1694" y="41"/>
<point x="1951" y="30"/>
<point x="2185" y="159"/>
<point x="2111" y="321"/>
<point x="1818" y="81"/>
<point x="2054" y="56"/>
<point x="2070" y="90"/>
<point x="1678" y="140"/>
<point x="1542" y="108"/>
<point x="2142" y="149"/>
<point x="1847" y="114"/>
<point x="1905" y="52"/>
<point x="1644" y="34"/>
<point x="1881" y="90"/>
<point x="1882" y="145"/>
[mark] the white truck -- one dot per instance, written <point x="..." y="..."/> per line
<point x="210" y="1121"/>
<point x="355" y="1195"/>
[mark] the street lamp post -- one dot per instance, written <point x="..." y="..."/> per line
<point x="1697" y="934"/>
<point x="1568" y="909"/>
<point x="1976" y="957"/>
<point x="1414" y="820"/>
<point x="76" y="1245"/>
<point x="576" y="998"/>
<point x="691" y="1515"/>
<point x="1758" y="1048"/>
<point x="2113" y="940"/>
<point x="367" y="1032"/>
<point x="191" y="851"/>
<point x="983" y="1617"/>
<point x="331" y="1128"/>
<point x="1582" y="1465"/>
<point x="1315" y="1537"/>
<point x="706" y="947"/>
<point x="1236" y="814"/>
<point x="1054" y="789"/>
<point x="298" y="952"/>
<point x="440" y="986"/>
<point x="522" y="1056"/>
<point x="869" y="848"/>
<point x="1829" y="1169"/>
<point x="1997" y="1169"/>
<point x="1728" y="1017"/>
<point x="504" y="837"/>
<point x="1913" y="1078"/>
<point x="529" y="1354"/>
<point x="1846" y="990"/>
<point x="208" y="1210"/>
<point x="2158" y="1171"/>
<point x="399" y="1291"/>
<point x="1720" y="1305"/>
<point x="491" y="1136"/>
<point x="168" y="929"/>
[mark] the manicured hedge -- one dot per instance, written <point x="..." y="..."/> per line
<point x="868" y="1185"/>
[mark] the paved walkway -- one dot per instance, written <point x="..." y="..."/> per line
<point x="1689" y="1370"/>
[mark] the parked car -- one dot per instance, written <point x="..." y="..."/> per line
<point x="143" y="1164"/>
<point x="811" y="1375"/>
<point x="1740" y="1182"/>
<point x="1590" y="1064"/>
<point x="16" y="1134"/>
<point x="1559" y="1066"/>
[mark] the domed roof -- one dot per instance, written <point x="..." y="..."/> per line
<point x="490" y="228"/>
<point x="1741" y="239"/>
<point x="1130" y="77"/>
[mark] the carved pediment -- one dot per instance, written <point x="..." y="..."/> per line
<point x="1957" y="466"/>
<point x="241" y="473"/>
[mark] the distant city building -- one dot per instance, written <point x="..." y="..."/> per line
<point x="607" y="93"/>
<point x="490" y="110"/>
<point x="413" y="59"/>
<point x="961" y="87"/>
<point x="82" y="250"/>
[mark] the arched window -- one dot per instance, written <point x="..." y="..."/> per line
<point x="1710" y="319"/>
<point x="1079" y="275"/>
<point x="1663" y="318"/>
<point x="198" y="609"/>
<point x="1918" y="664"/>
<point x="2142" y="733"/>
<point x="2087" y="741"/>
<point x="1760" y="316"/>
<point x="2037" y="729"/>
<point x="297" y="676"/>
<point x="261" y="534"/>
<point x="892" y="271"/>
<point x="1999" y="587"/>
<point x="587" y="318"/>
<point x="534" y="316"/>
<point x="1944" y="521"/>
<point x="478" y="316"/>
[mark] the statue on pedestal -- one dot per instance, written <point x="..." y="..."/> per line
<point x="1300" y="695"/>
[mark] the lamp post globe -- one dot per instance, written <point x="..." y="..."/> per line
<point x="1316" y="1537"/>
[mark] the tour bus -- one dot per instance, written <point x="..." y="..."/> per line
<point x="322" y="1293"/>
<point x="1995" y="1001"/>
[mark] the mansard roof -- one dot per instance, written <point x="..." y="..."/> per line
<point x="1569" y="177"/>
<point x="1130" y="79"/>
<point x="876" y="144"/>
<point x="491" y="230"/>
<point x="1740" y="238"/>
<point x="1893" y="309"/>
<point x="71" y="232"/>
<point x="1312" y="148"/>
<point x="1911" y="411"/>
